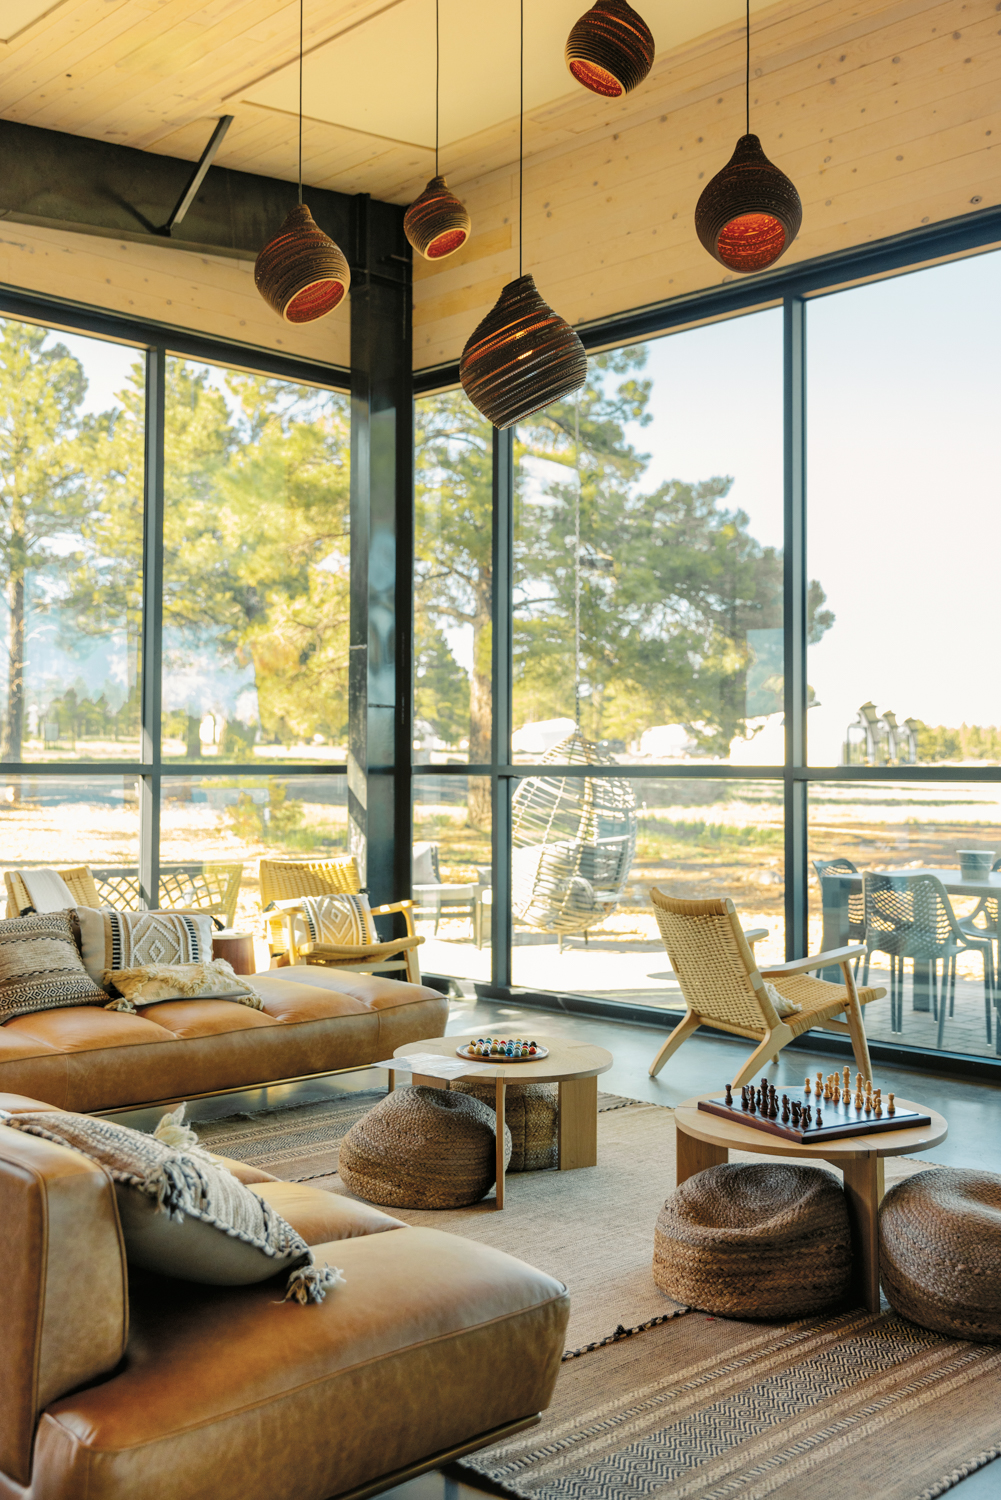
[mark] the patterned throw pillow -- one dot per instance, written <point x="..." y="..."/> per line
<point x="40" y="966"/>
<point x="345" y="920"/>
<point x="151" y="983"/>
<point x="183" y="1214"/>
<point x="119" y="940"/>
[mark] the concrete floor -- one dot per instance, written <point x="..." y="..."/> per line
<point x="705" y="1062"/>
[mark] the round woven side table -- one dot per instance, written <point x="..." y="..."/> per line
<point x="706" y="1140"/>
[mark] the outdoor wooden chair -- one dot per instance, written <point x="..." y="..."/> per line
<point x="724" y="988"/>
<point x="285" y="881"/>
<point x="79" y="878"/>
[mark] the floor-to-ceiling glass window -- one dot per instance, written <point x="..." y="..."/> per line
<point x="251" y="682"/>
<point x="904" y="530"/>
<point x="648" y="613"/>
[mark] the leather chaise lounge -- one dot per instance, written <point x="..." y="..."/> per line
<point x="118" y="1384"/>
<point x="314" y="1020"/>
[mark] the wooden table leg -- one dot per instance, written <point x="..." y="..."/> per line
<point x="578" y="1123"/>
<point x="863" y="1191"/>
<point x="499" y="1107"/>
<point x="695" y="1156"/>
<point x="391" y="1081"/>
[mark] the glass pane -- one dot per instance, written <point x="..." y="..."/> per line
<point x="452" y="876"/>
<point x="71" y="528"/>
<point x="67" y="821"/>
<point x="905" y="517"/>
<point x="256" y="568"/>
<point x="453" y="581"/>
<point x="907" y="830"/>
<point x="218" y="827"/>
<point x="666" y="564"/>
<point x="693" y="839"/>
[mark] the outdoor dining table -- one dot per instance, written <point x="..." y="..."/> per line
<point x="835" y="889"/>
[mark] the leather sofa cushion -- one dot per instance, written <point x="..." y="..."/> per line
<point x="375" y="991"/>
<point x="185" y="1018"/>
<point x="321" y="1217"/>
<point x="84" y="1028"/>
<point x="431" y="1340"/>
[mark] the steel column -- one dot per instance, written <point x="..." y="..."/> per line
<point x="152" y="627"/>
<point x="503" y="675"/>
<point x="794" y="618"/>
<point x="380" y="686"/>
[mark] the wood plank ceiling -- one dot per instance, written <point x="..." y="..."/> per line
<point x="886" y="114"/>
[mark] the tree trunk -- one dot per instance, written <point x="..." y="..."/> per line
<point x="480" y="707"/>
<point x="13" y="732"/>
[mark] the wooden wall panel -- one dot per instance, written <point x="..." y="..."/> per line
<point x="205" y="294"/>
<point x="886" y="116"/>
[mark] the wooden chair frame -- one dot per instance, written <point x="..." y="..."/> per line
<point x="724" y="988"/>
<point x="326" y="878"/>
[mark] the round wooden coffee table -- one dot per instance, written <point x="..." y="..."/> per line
<point x="573" y="1065"/>
<point x="705" y="1140"/>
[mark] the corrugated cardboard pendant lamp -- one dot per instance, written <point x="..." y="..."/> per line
<point x="301" y="273"/>
<point x="750" y="213"/>
<point x="436" y="223"/>
<point x="611" y="49"/>
<point x="523" y="356"/>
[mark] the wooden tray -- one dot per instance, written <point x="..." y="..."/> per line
<point x="840" y="1120"/>
<point x="540" y="1053"/>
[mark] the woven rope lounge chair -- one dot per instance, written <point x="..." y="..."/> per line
<point x="724" y="988"/>
<point x="285" y="880"/>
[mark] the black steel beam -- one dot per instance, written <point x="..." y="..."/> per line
<point x="501" y="706"/>
<point x="72" y="182"/>
<point x="382" y="552"/>
<point x="794" y="623"/>
<point x="208" y="156"/>
<point x="152" y="628"/>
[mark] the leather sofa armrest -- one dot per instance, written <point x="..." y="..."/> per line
<point x="64" y="1289"/>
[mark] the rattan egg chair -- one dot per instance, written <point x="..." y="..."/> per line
<point x="574" y="839"/>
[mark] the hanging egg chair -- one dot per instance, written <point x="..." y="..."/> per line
<point x="574" y="838"/>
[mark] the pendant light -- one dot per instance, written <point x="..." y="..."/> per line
<point x="523" y="356"/>
<point x="611" y="49"/>
<point x="301" y="273"/>
<point x="436" y="223"/>
<point x="750" y="212"/>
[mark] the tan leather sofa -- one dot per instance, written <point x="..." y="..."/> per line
<point x="314" y="1020"/>
<point x="116" y="1386"/>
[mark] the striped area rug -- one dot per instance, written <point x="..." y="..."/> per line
<point x="703" y="1408"/>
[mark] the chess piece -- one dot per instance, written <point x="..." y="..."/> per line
<point x="729" y="1098"/>
<point x="752" y="1107"/>
<point x="796" y="1113"/>
<point x="785" y="1109"/>
<point x="836" y="1093"/>
<point x="764" y="1083"/>
<point x="878" y="1111"/>
<point x="820" y="1119"/>
<point x="859" y="1083"/>
<point x="846" y="1087"/>
<point x="868" y="1099"/>
<point x="859" y="1101"/>
<point x="818" y="1087"/>
<point x="827" y="1087"/>
<point x="806" y="1087"/>
<point x="891" y="1108"/>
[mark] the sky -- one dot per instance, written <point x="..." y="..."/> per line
<point x="904" y="479"/>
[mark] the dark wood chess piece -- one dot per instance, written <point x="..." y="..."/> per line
<point x="752" y="1107"/>
<point x="785" y="1109"/>
<point x="729" y="1097"/>
<point x="743" y="1097"/>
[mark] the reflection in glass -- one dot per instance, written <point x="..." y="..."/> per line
<point x="694" y="839"/>
<point x="71" y="527"/>
<point x="223" y="825"/>
<point x="905" y="520"/>
<point x="648" y="561"/>
<point x="256" y="568"/>
<point x="452" y="874"/>
<point x="453" y="586"/>
<point x="72" y="820"/>
<point x="907" y="828"/>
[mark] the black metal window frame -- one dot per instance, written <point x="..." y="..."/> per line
<point x="792" y="289"/>
<point x="156" y="344"/>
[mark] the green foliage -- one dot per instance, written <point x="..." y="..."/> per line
<point x="278" y="821"/>
<point x="968" y="742"/>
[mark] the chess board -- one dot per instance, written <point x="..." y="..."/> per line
<point x="839" y="1120"/>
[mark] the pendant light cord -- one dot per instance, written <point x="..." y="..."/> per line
<point x="576" y="567"/>
<point x="521" y="140"/>
<point x="437" y="81"/>
<point x="747" y="75"/>
<point x="301" y="3"/>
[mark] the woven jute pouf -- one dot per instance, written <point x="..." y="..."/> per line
<point x="531" y="1113"/>
<point x="940" y="1251"/>
<point x="761" y="1241"/>
<point x="422" y="1148"/>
